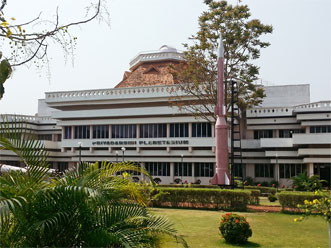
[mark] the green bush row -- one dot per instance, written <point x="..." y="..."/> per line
<point x="263" y="190"/>
<point x="185" y="185"/>
<point x="290" y="200"/>
<point x="254" y="198"/>
<point x="203" y="198"/>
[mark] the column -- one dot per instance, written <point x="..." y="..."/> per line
<point x="73" y="132"/>
<point x="168" y="130"/>
<point x="276" y="172"/>
<point x="213" y="130"/>
<point x="190" y="130"/>
<point x="193" y="178"/>
<point x="138" y="136"/>
<point x="172" y="171"/>
<point x="91" y="131"/>
<point x="310" y="169"/>
<point x="109" y="137"/>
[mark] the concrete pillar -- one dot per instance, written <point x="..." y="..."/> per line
<point x="73" y="132"/>
<point x="213" y="130"/>
<point x="276" y="173"/>
<point x="193" y="178"/>
<point x="276" y="133"/>
<point x="310" y="169"/>
<point x="138" y="131"/>
<point x="91" y="131"/>
<point x="168" y="130"/>
<point x="172" y="171"/>
<point x="62" y="132"/>
<point x="190" y="130"/>
<point x="307" y="130"/>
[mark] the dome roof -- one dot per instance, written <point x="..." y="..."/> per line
<point x="166" y="49"/>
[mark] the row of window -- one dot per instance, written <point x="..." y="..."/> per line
<point x="285" y="170"/>
<point x="283" y="133"/>
<point x="320" y="129"/>
<point x="146" y="131"/>
<point x="180" y="169"/>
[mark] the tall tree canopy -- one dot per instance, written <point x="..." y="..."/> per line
<point x="242" y="44"/>
<point x="28" y="41"/>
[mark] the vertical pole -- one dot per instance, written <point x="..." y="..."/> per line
<point x="182" y="165"/>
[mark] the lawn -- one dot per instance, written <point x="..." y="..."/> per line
<point x="265" y="202"/>
<point x="200" y="229"/>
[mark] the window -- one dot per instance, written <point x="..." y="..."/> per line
<point x="258" y="134"/>
<point x="67" y="133"/>
<point x="128" y="131"/>
<point x="44" y="137"/>
<point x="201" y="129"/>
<point x="158" y="168"/>
<point x="287" y="133"/>
<point x="237" y="170"/>
<point x="62" y="166"/>
<point x="320" y="129"/>
<point x="183" y="169"/>
<point x="101" y="132"/>
<point x="82" y="132"/>
<point x="291" y="170"/>
<point x="204" y="169"/>
<point x="179" y="130"/>
<point x="264" y="170"/>
<point x="153" y="130"/>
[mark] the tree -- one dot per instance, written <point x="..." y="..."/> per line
<point x="242" y="45"/>
<point x="88" y="207"/>
<point x="28" y="42"/>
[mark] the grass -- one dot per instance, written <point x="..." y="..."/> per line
<point x="265" y="202"/>
<point x="200" y="229"/>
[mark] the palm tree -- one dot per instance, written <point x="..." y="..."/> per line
<point x="89" y="206"/>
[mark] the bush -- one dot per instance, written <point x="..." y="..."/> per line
<point x="254" y="198"/>
<point x="272" y="198"/>
<point x="188" y="185"/>
<point x="235" y="229"/>
<point x="203" y="198"/>
<point x="291" y="200"/>
<point x="303" y="182"/>
<point x="263" y="190"/>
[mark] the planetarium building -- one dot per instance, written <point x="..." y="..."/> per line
<point x="137" y="121"/>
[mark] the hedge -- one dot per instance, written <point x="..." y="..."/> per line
<point x="254" y="198"/>
<point x="188" y="186"/>
<point x="263" y="190"/>
<point x="203" y="198"/>
<point x="290" y="200"/>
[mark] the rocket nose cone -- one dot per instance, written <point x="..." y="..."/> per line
<point x="220" y="47"/>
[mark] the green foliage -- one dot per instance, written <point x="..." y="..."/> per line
<point x="187" y="186"/>
<point x="255" y="197"/>
<point x="321" y="205"/>
<point x="263" y="190"/>
<point x="291" y="200"/>
<point x="5" y="72"/>
<point x="242" y="44"/>
<point x="303" y="182"/>
<point x="89" y="206"/>
<point x="203" y="198"/>
<point x="272" y="198"/>
<point x="235" y="229"/>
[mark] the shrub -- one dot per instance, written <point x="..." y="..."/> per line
<point x="272" y="198"/>
<point x="190" y="185"/>
<point x="254" y="198"/>
<point x="303" y="182"/>
<point x="203" y="198"/>
<point x="263" y="190"/>
<point x="291" y="200"/>
<point x="235" y="229"/>
<point x="249" y="181"/>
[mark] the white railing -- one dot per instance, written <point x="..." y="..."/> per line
<point x="26" y="118"/>
<point x="314" y="105"/>
<point x="152" y="90"/>
<point x="155" y="56"/>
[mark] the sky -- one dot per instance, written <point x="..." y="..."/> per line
<point x="300" y="51"/>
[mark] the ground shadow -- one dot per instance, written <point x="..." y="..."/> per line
<point x="248" y="244"/>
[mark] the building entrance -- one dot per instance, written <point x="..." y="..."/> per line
<point x="324" y="171"/>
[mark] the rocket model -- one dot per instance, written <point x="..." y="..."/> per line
<point x="221" y="176"/>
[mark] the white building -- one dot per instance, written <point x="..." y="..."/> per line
<point x="135" y="121"/>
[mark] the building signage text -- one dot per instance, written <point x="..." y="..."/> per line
<point x="142" y="142"/>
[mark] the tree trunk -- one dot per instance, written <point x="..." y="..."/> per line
<point x="329" y="223"/>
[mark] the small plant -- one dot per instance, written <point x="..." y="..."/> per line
<point x="235" y="229"/>
<point x="272" y="198"/>
<point x="303" y="182"/>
